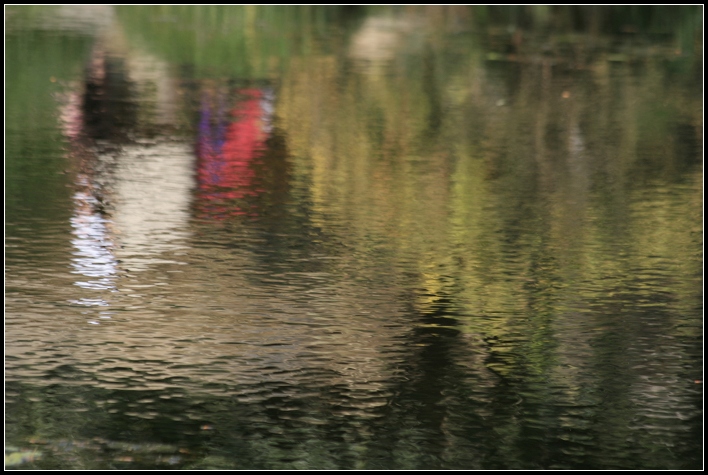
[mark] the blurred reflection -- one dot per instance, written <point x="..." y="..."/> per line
<point x="473" y="249"/>
<point x="93" y="257"/>
<point x="231" y="139"/>
<point x="380" y="38"/>
<point x="148" y="181"/>
<point x="151" y="192"/>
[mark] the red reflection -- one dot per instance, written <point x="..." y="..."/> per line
<point x="228" y="146"/>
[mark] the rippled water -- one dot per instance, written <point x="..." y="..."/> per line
<point x="351" y="238"/>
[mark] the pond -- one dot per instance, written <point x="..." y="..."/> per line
<point x="354" y="237"/>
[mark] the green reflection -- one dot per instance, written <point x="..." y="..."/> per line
<point x="234" y="41"/>
<point x="39" y="65"/>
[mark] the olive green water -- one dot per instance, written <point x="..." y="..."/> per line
<point x="353" y="238"/>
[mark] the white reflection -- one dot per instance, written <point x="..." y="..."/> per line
<point x="268" y="108"/>
<point x="151" y="192"/>
<point x="380" y="38"/>
<point x="90" y="302"/>
<point x="93" y="257"/>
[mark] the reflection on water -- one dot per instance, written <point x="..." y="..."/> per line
<point x="228" y="144"/>
<point x="151" y="186"/>
<point x="93" y="256"/>
<point x="406" y="238"/>
<point x="94" y="262"/>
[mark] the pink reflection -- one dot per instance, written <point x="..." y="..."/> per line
<point x="228" y="147"/>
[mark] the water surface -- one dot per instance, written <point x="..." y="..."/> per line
<point x="339" y="238"/>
